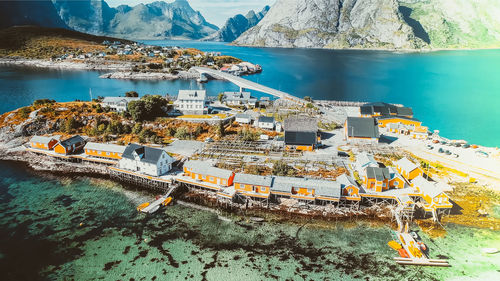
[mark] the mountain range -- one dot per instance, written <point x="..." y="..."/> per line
<point x="157" y="20"/>
<point x="236" y="25"/>
<point x="337" y="24"/>
<point x="378" y="24"/>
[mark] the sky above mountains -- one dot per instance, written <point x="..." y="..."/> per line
<point x="214" y="11"/>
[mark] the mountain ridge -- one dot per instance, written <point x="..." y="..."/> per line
<point x="382" y="24"/>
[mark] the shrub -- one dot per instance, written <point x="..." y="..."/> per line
<point x="43" y="102"/>
<point x="280" y="168"/>
<point x="133" y="94"/>
<point x="25" y="112"/>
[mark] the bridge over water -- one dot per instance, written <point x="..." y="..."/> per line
<point x="247" y="84"/>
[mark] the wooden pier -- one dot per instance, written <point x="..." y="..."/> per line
<point x="150" y="182"/>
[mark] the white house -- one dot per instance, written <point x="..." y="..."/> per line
<point x="236" y="98"/>
<point x="146" y="160"/>
<point x="117" y="104"/>
<point x="264" y="122"/>
<point x="243" y="118"/>
<point x="192" y="102"/>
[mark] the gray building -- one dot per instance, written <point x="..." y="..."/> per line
<point x="192" y="102"/>
<point x="359" y="129"/>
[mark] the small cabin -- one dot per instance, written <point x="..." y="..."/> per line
<point x="70" y="146"/>
<point x="202" y="171"/>
<point x="45" y="143"/>
<point x="408" y="169"/>
<point x="101" y="150"/>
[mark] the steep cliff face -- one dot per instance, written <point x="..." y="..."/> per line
<point x="22" y="12"/>
<point x="90" y="16"/>
<point x="390" y="24"/>
<point x="160" y="20"/>
<point x="457" y="23"/>
<point x="236" y="25"/>
<point x="332" y="24"/>
<point x="157" y="20"/>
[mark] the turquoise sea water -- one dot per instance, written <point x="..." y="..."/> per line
<point x="63" y="228"/>
<point x="457" y="92"/>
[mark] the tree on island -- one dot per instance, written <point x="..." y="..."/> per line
<point x="132" y="94"/>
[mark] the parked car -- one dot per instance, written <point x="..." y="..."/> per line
<point x="466" y="145"/>
<point x="447" y="152"/>
<point x="441" y="150"/>
<point x="342" y="154"/>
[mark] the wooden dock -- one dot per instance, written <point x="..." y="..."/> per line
<point x="154" y="206"/>
<point x="416" y="255"/>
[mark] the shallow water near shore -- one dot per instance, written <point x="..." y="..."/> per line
<point x="455" y="92"/>
<point x="63" y="228"/>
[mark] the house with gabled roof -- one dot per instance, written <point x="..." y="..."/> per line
<point x="265" y="122"/>
<point x="408" y="169"/>
<point x="301" y="133"/>
<point x="192" y="102"/>
<point x="350" y="188"/>
<point x="358" y="129"/>
<point x="103" y="150"/>
<point x="70" y="146"/>
<point x="146" y="160"/>
<point x="376" y="179"/>
<point x="45" y="143"/>
<point x="433" y="194"/>
<point x="118" y="104"/>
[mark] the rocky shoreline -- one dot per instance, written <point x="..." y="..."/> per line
<point x="120" y="70"/>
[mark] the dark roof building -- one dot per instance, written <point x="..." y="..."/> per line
<point x="358" y="127"/>
<point x="380" y="174"/>
<point x="265" y="119"/>
<point x="301" y="130"/>
<point x="384" y="109"/>
<point x="405" y="111"/>
<point x="143" y="153"/>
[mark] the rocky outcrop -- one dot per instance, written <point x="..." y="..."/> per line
<point x="89" y="16"/>
<point x="236" y="25"/>
<point x="21" y="12"/>
<point x="378" y="24"/>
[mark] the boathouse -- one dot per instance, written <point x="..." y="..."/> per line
<point x="146" y="160"/>
<point x="45" y="143"/>
<point x="101" y="150"/>
<point x="432" y="193"/>
<point x="70" y="146"/>
<point x="408" y="169"/>
<point x="301" y="133"/>
<point x="350" y="188"/>
<point x="253" y="185"/>
<point x="358" y="129"/>
<point x="203" y="171"/>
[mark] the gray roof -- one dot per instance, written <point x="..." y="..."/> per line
<point x="41" y="139"/>
<point x="366" y="110"/>
<point x="432" y="189"/>
<point x="253" y="179"/>
<point x="346" y="180"/>
<point x="119" y="99"/>
<point x="192" y="95"/>
<point x="325" y="188"/>
<point x="73" y="140"/>
<point x="398" y="117"/>
<point x="301" y="124"/>
<point x="147" y="154"/>
<point x="364" y="159"/>
<point x="243" y="116"/>
<point x="406" y="164"/>
<point x="404" y="111"/>
<point x="237" y="96"/>
<point x="362" y="127"/>
<point x="265" y="119"/>
<point x="204" y="168"/>
<point x="328" y="188"/>
<point x="377" y="173"/>
<point x="105" y="147"/>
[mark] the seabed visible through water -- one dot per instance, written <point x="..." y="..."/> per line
<point x="62" y="228"/>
